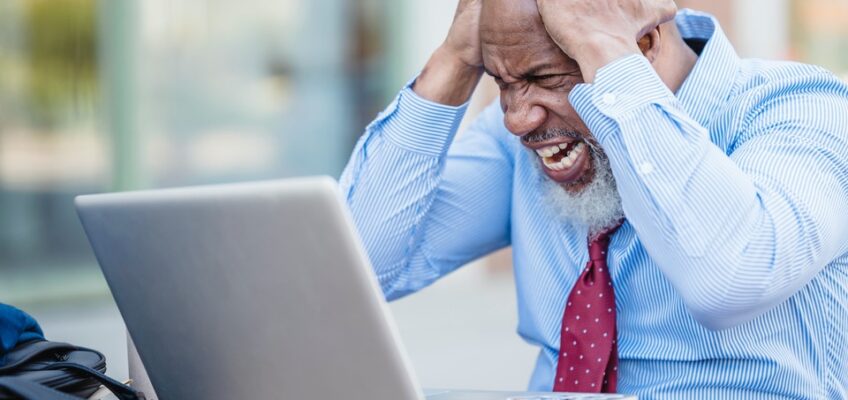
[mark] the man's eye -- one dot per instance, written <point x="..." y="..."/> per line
<point x="550" y="81"/>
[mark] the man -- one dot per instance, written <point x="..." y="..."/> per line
<point x="712" y="193"/>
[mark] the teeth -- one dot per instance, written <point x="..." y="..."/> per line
<point x="548" y="151"/>
<point x="566" y="162"/>
<point x="579" y="148"/>
<point x="557" y="166"/>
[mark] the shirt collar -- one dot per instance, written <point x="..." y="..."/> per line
<point x="709" y="85"/>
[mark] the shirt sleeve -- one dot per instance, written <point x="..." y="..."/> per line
<point x="423" y="202"/>
<point x="735" y="234"/>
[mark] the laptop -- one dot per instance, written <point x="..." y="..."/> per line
<point x="254" y="291"/>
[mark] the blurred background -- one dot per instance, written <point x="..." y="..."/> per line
<point x="113" y="95"/>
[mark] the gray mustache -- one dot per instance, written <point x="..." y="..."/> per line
<point x="549" y="134"/>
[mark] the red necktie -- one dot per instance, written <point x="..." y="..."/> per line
<point x="588" y="354"/>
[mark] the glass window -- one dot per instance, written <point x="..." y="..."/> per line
<point x="117" y="95"/>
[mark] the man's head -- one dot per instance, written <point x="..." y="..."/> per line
<point x="535" y="78"/>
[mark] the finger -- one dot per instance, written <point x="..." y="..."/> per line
<point x="666" y="11"/>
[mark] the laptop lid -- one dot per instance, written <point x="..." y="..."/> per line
<point x="255" y="290"/>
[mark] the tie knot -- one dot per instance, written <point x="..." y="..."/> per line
<point x="598" y="248"/>
<point x="599" y="243"/>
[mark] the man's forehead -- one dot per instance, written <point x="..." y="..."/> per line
<point x="515" y="41"/>
<point x="514" y="29"/>
<point x="510" y="17"/>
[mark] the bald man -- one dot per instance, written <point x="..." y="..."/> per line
<point x="678" y="215"/>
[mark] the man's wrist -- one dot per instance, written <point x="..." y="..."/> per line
<point x="610" y="98"/>
<point x="446" y="79"/>
<point x="595" y="53"/>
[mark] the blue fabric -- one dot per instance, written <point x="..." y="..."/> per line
<point x="731" y="273"/>
<point x="16" y="327"/>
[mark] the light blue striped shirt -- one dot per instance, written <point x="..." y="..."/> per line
<point x="731" y="273"/>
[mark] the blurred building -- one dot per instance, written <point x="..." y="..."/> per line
<point x="117" y="95"/>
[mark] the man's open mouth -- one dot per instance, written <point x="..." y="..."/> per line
<point x="560" y="157"/>
<point x="565" y="162"/>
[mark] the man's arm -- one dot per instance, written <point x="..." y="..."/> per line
<point x="455" y="68"/>
<point x="446" y="79"/>
<point x="735" y="235"/>
<point x="422" y="210"/>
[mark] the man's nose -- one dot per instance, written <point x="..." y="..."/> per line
<point x="523" y="118"/>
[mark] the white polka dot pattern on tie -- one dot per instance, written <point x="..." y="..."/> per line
<point x="588" y="333"/>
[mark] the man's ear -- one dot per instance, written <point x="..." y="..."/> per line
<point x="650" y="44"/>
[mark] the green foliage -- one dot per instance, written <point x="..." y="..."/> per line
<point x="61" y="57"/>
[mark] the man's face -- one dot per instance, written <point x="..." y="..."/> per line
<point x="535" y="78"/>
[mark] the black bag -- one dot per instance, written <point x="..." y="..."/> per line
<point x="44" y="370"/>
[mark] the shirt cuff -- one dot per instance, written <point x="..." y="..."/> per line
<point x="420" y="125"/>
<point x="621" y="87"/>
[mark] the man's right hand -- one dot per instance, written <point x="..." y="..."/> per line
<point x="454" y="69"/>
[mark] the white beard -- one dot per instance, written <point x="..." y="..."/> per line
<point x="597" y="206"/>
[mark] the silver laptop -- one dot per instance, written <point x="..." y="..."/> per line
<point x="253" y="291"/>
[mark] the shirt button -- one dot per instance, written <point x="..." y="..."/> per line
<point x="646" y="168"/>
<point x="609" y="98"/>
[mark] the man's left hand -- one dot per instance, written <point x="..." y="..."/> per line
<point x="597" y="32"/>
